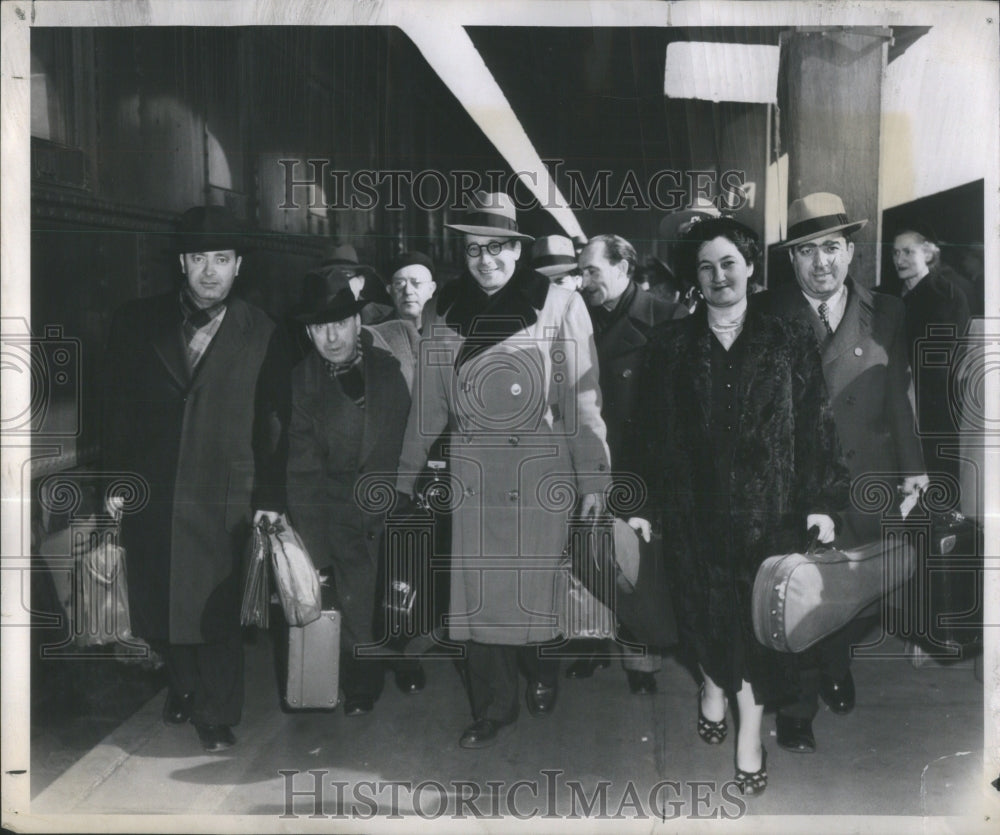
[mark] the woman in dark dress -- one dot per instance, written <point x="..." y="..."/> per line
<point x="742" y="459"/>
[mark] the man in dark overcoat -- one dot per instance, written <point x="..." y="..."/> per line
<point x="862" y="339"/>
<point x="197" y="403"/>
<point x="622" y="313"/>
<point x="350" y="403"/>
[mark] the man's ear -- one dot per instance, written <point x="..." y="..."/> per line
<point x="850" y="251"/>
<point x="180" y="258"/>
<point x="239" y="260"/>
<point x="517" y="250"/>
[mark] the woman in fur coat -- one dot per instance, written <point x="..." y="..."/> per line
<point x="743" y="459"/>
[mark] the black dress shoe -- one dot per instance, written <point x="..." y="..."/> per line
<point x="177" y="707"/>
<point x="838" y="695"/>
<point x="541" y="698"/>
<point x="585" y="667"/>
<point x="640" y="683"/>
<point x="795" y="734"/>
<point x="481" y="734"/>
<point x="411" y="681"/>
<point x="358" y="705"/>
<point x="215" y="737"/>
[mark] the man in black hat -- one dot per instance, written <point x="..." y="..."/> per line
<point x="350" y="401"/>
<point x="862" y="340"/>
<point x="342" y="262"/>
<point x="197" y="401"/>
<point x="412" y="285"/>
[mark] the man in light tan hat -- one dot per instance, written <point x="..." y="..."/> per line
<point x="862" y="340"/>
<point x="554" y="256"/>
<point x="623" y="315"/>
<point x="508" y="363"/>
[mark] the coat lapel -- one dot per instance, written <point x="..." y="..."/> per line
<point x="701" y="370"/>
<point x="622" y="337"/>
<point x="169" y="347"/>
<point x="855" y="322"/>
<point x="376" y="368"/>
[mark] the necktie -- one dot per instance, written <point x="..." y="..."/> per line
<point x="824" y="314"/>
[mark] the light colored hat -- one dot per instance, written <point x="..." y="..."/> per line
<point x="490" y="214"/>
<point x="818" y="214"/>
<point x="676" y="224"/>
<point x="553" y="256"/>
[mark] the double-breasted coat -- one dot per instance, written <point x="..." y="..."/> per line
<point x="516" y="384"/>
<point x="333" y="446"/>
<point x="867" y="372"/>
<point x="785" y="465"/>
<point x="210" y="446"/>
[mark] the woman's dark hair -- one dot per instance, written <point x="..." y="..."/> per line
<point x="742" y="237"/>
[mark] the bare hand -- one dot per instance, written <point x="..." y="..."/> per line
<point x="272" y="516"/>
<point x="827" y="530"/>
<point x="592" y="504"/>
<point x="114" y="505"/>
<point x="914" y="484"/>
<point x="642" y="527"/>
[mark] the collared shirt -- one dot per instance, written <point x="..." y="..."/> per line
<point x="836" y="305"/>
<point x="200" y="326"/>
<point x="727" y="322"/>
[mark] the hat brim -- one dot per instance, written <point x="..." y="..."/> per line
<point x="349" y="267"/>
<point x="333" y="313"/>
<point x="220" y="242"/>
<point x="843" y="228"/>
<point x="492" y="231"/>
<point x="557" y="270"/>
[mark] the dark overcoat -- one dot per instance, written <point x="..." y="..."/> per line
<point x="526" y="439"/>
<point x="785" y="465"/>
<point x="937" y="317"/>
<point x="867" y="373"/>
<point x="211" y="448"/>
<point x="333" y="446"/>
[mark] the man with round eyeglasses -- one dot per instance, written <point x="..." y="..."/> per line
<point x="508" y="364"/>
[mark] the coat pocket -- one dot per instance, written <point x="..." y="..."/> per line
<point x="238" y="493"/>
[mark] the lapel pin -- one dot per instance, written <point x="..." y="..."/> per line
<point x="858" y="352"/>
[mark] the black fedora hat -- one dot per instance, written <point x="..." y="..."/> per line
<point x="326" y="297"/>
<point x="345" y="257"/>
<point x="209" y="229"/>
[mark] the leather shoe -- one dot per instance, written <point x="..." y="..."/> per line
<point x="358" y="705"/>
<point x="795" y="734"/>
<point x="838" y="695"/>
<point x="541" y="698"/>
<point x="585" y="667"/>
<point x="411" y="681"/>
<point x="640" y="683"/>
<point x="177" y="707"/>
<point x="481" y="734"/>
<point x="215" y="737"/>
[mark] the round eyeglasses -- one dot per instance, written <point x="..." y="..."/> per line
<point x="416" y="283"/>
<point x="493" y="248"/>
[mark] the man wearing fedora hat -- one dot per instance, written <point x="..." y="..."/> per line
<point x="623" y="315"/>
<point x="862" y="339"/>
<point x="197" y="402"/>
<point x="554" y="256"/>
<point x="341" y="261"/>
<point x="508" y="364"/>
<point x="350" y="401"/>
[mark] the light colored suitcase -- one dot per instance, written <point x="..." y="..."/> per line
<point x="314" y="663"/>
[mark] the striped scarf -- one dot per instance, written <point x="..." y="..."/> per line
<point x="350" y="378"/>
<point x="199" y="326"/>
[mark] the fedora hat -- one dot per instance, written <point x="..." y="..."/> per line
<point x="820" y="213"/>
<point x="326" y="297"/>
<point x="209" y="229"/>
<point x="345" y="257"/>
<point x="553" y="256"/>
<point x="674" y="225"/>
<point x="490" y="214"/>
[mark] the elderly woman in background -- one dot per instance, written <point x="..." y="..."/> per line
<point x="743" y="459"/>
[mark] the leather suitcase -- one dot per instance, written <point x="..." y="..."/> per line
<point x="799" y="599"/>
<point x="314" y="663"/>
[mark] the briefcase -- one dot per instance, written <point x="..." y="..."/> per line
<point x="314" y="663"/>
<point x="801" y="598"/>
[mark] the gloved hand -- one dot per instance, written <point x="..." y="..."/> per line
<point x="827" y="530"/>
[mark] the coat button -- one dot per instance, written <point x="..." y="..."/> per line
<point x="513" y="440"/>
<point x="849" y="454"/>
<point x="513" y="495"/>
<point x="470" y="491"/>
<point x="466" y="386"/>
<point x="515" y="389"/>
<point x="858" y="352"/>
<point x="602" y="467"/>
<point x="627" y="373"/>
<point x="370" y="536"/>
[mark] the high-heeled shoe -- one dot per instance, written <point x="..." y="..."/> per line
<point x="753" y="782"/>
<point x="711" y="733"/>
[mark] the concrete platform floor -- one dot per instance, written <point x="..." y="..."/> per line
<point x="912" y="749"/>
